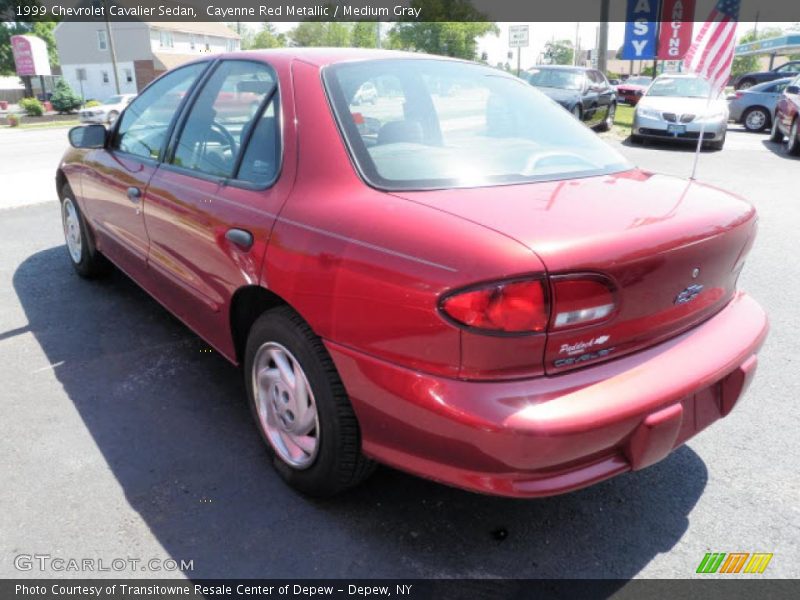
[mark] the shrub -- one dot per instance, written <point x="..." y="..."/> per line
<point x="91" y="103"/>
<point x="12" y="120"/>
<point x="64" y="99"/>
<point x="32" y="107"/>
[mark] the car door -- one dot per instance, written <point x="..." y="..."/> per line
<point x="213" y="201"/>
<point x="787" y="106"/>
<point x="115" y="179"/>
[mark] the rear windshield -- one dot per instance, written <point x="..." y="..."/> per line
<point x="428" y="124"/>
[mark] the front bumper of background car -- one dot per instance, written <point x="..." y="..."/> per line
<point x="659" y="128"/>
<point x="550" y="435"/>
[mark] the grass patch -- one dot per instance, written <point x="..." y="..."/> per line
<point x="624" y="116"/>
<point x="46" y="125"/>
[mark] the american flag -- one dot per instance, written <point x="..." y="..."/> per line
<point x="711" y="53"/>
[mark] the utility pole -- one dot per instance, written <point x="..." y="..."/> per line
<point x="577" y="44"/>
<point x="111" y="49"/>
<point x="602" y="43"/>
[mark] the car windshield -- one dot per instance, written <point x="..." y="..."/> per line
<point x="685" y="87"/>
<point x="556" y="78"/>
<point x="443" y="124"/>
<point x="113" y="100"/>
<point x="638" y="81"/>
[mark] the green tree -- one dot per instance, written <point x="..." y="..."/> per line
<point x="745" y="64"/>
<point x="454" y="30"/>
<point x="321" y="33"/>
<point x="446" y="38"/>
<point x="267" y="37"/>
<point x="43" y="29"/>
<point x="560" y="52"/>
<point x="364" y="34"/>
<point x="64" y="98"/>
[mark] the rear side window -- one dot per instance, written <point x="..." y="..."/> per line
<point x="143" y="128"/>
<point x="220" y="119"/>
<point x="262" y="156"/>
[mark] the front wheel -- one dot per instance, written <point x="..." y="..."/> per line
<point x="85" y="258"/>
<point x="775" y="134"/>
<point x="301" y="408"/>
<point x="608" y="122"/>
<point x="792" y="144"/>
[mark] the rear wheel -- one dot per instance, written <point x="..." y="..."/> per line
<point x="756" y="119"/>
<point x="745" y="84"/>
<point x="85" y="258"/>
<point x="300" y="407"/>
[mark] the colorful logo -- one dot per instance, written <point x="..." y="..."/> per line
<point x="734" y="562"/>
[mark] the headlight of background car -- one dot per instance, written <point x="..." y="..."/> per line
<point x="648" y="113"/>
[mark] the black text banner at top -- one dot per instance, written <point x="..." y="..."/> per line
<point x="356" y="10"/>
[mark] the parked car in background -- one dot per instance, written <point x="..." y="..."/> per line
<point x="786" y="119"/>
<point x="366" y="94"/>
<point x="108" y="111"/>
<point x="676" y="107"/>
<point x="748" y="80"/>
<point x="474" y="287"/>
<point x="755" y="106"/>
<point x="584" y="92"/>
<point x="614" y="82"/>
<point x="632" y="89"/>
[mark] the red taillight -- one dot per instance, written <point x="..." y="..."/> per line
<point x="513" y="307"/>
<point x="739" y="95"/>
<point x="579" y="300"/>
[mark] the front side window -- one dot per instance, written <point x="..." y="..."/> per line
<point x="221" y="116"/>
<point x="443" y="124"/>
<point x="144" y="125"/>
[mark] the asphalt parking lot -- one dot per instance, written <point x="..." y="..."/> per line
<point x="124" y="438"/>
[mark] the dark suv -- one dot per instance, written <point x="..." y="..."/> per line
<point x="789" y="69"/>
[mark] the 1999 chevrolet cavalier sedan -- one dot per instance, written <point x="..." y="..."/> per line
<point x="456" y="278"/>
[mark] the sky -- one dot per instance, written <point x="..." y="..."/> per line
<point x="540" y="33"/>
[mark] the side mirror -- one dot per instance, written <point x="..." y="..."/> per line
<point x="793" y="89"/>
<point x="88" y="136"/>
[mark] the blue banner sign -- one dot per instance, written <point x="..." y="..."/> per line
<point x="641" y="29"/>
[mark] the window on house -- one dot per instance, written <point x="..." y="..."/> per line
<point x="128" y="76"/>
<point x="165" y="39"/>
<point x="102" y="40"/>
<point x="105" y="76"/>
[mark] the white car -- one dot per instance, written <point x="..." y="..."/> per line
<point x="367" y="93"/>
<point x="108" y="111"/>
<point x="676" y="107"/>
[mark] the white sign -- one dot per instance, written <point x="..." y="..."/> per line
<point x="518" y="36"/>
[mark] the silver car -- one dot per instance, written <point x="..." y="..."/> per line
<point x="108" y="111"/>
<point x="676" y="107"/>
<point x="755" y="106"/>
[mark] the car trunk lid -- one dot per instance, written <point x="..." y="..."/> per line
<point x="671" y="248"/>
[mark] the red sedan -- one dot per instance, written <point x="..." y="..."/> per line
<point x="631" y="90"/>
<point x="786" y="120"/>
<point x="458" y="279"/>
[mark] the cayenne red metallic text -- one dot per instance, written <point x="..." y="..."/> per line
<point x="455" y="278"/>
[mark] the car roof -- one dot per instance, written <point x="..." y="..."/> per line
<point x="561" y="68"/>
<point x="326" y="56"/>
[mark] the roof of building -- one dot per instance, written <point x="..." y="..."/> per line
<point x="215" y="28"/>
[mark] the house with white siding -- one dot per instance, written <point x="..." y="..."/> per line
<point x="143" y="51"/>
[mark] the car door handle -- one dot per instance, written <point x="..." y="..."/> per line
<point x="239" y="237"/>
<point x="134" y="194"/>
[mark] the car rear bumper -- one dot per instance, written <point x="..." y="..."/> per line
<point x="551" y="435"/>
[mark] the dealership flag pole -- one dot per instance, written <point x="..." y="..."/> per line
<point x="711" y="56"/>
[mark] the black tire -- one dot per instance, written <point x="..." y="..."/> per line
<point x="792" y="144"/>
<point x="91" y="264"/>
<point x="745" y="84"/>
<point x="775" y="133"/>
<point x="754" y="116"/>
<point x="637" y="139"/>
<point x="338" y="463"/>
<point x="608" y="122"/>
<point x="112" y="117"/>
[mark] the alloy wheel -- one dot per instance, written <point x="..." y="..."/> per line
<point x="287" y="411"/>
<point x="756" y="120"/>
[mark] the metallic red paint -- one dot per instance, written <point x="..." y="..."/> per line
<point x="367" y="270"/>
